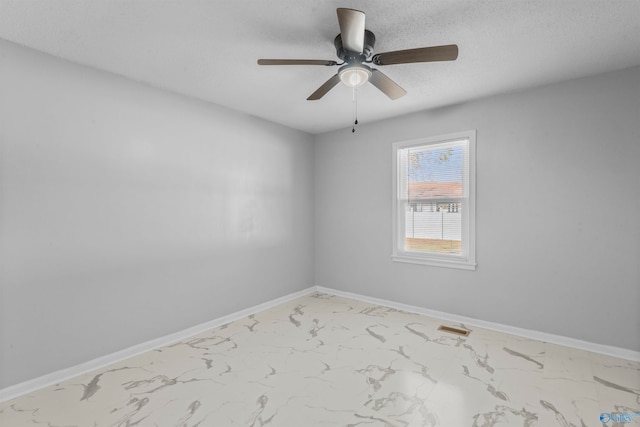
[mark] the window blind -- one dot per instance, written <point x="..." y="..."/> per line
<point x="433" y="193"/>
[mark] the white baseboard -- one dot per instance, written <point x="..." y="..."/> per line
<point x="622" y="353"/>
<point x="92" y="365"/>
<point x="56" y="377"/>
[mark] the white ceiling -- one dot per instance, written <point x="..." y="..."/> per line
<point x="208" y="49"/>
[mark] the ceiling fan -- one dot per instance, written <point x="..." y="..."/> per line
<point x="354" y="46"/>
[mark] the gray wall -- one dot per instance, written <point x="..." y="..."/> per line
<point x="558" y="196"/>
<point x="127" y="213"/>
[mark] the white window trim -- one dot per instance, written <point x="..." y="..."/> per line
<point x="466" y="261"/>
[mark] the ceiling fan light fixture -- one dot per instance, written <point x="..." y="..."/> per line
<point x="355" y="75"/>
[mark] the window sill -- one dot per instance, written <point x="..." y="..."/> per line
<point x="447" y="263"/>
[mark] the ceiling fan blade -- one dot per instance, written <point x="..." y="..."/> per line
<point x="422" y="54"/>
<point x="386" y="85"/>
<point x="326" y="87"/>
<point x="351" y="23"/>
<point x="295" y="62"/>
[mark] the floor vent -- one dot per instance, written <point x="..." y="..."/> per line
<point x="456" y="331"/>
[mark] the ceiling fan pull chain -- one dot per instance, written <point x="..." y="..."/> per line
<point x="355" y="109"/>
<point x="356" y="113"/>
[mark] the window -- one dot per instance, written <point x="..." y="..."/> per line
<point x="434" y="201"/>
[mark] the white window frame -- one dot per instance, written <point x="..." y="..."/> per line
<point x="467" y="259"/>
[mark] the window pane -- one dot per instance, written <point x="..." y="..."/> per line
<point x="433" y="227"/>
<point x="434" y="187"/>
<point x="437" y="171"/>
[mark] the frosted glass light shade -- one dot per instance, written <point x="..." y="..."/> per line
<point x="354" y="76"/>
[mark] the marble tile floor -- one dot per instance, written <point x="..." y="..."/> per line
<point x="323" y="360"/>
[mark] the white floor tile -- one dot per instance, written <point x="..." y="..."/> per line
<point x="324" y="360"/>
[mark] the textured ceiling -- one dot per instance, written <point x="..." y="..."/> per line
<point x="208" y="49"/>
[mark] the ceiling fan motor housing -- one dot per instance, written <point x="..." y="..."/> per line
<point x="367" y="50"/>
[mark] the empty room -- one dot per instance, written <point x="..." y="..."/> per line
<point x="297" y="213"/>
